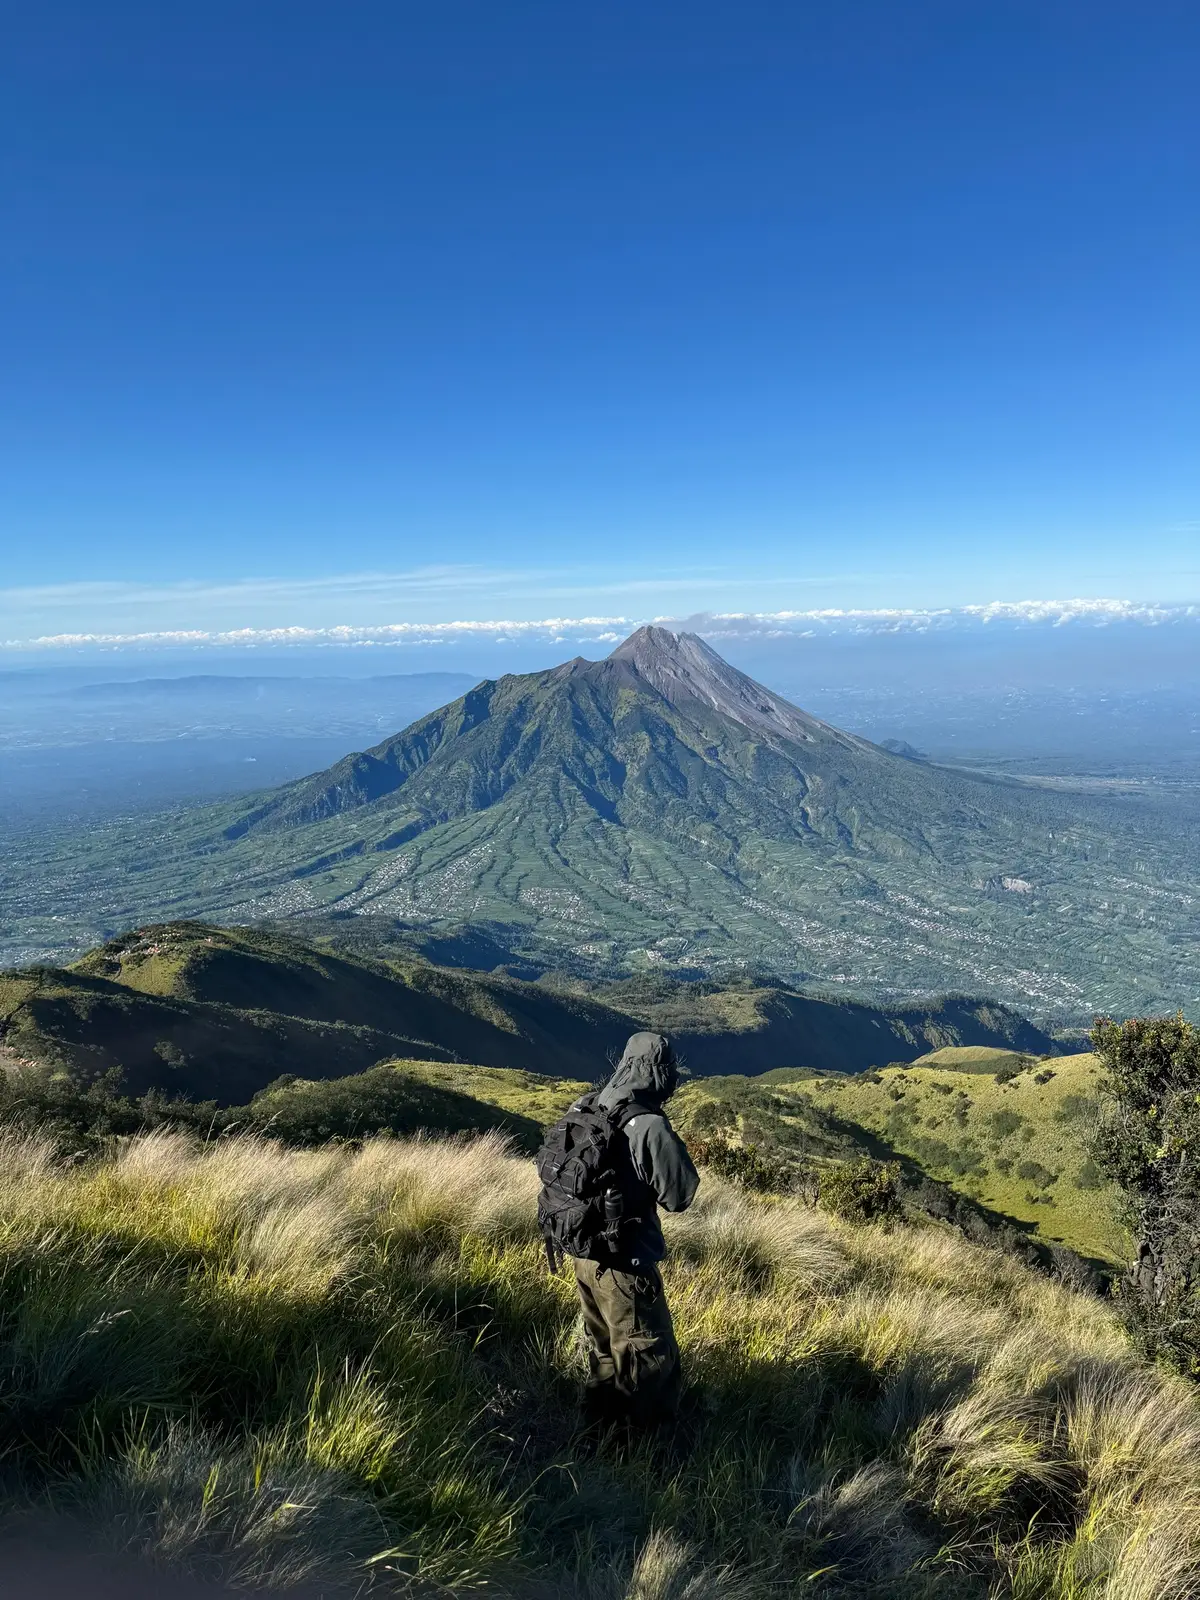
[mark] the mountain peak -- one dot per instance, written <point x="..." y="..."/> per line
<point x="682" y="667"/>
<point x="649" y="643"/>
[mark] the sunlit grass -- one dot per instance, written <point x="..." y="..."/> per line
<point x="352" y="1365"/>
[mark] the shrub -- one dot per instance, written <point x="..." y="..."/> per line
<point x="1004" y="1123"/>
<point x="87" y="1115"/>
<point x="1076" y="1107"/>
<point x="1149" y="1144"/>
<point x="1012" y="1069"/>
<point x="1035" y="1172"/>
<point x="742" y="1164"/>
<point x="711" y="1115"/>
<point x="1073" y="1271"/>
<point x="861" y="1191"/>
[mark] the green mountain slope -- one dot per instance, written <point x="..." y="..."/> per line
<point x="215" y="1013"/>
<point x="1005" y="1130"/>
<point x="659" y="809"/>
<point x="1017" y="1145"/>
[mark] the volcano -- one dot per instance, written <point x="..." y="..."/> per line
<point x="658" y="809"/>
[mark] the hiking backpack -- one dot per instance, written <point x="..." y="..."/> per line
<point x="586" y="1174"/>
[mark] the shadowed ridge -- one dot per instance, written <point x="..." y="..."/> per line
<point x="218" y="1013"/>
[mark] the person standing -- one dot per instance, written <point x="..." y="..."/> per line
<point x="606" y="1168"/>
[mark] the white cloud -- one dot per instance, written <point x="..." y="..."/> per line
<point x="1019" y="613"/>
<point x="607" y="630"/>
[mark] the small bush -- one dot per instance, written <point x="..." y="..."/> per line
<point x="1004" y="1123"/>
<point x="1075" y="1107"/>
<point x="1035" y="1172"/>
<point x="1073" y="1271"/>
<point x="861" y="1191"/>
<point x="742" y="1164"/>
<point x="710" y="1116"/>
<point x="1012" y="1069"/>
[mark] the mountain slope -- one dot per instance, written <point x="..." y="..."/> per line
<point x="215" y="1013"/>
<point x="658" y="808"/>
<point x="356" y="1376"/>
<point x="1008" y="1132"/>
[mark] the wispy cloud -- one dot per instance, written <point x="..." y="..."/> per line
<point x="1018" y="613"/>
<point x="361" y="602"/>
<point x="607" y="629"/>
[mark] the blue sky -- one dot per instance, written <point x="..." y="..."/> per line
<point x="387" y="313"/>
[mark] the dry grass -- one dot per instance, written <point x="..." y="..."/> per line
<point x="351" y="1367"/>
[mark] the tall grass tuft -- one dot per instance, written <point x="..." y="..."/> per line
<point x="351" y="1368"/>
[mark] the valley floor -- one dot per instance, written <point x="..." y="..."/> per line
<point x="350" y="1367"/>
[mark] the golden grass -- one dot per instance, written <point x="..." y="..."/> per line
<point x="351" y="1366"/>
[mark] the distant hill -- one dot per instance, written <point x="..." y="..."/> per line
<point x="659" y="810"/>
<point x="215" y="1013"/>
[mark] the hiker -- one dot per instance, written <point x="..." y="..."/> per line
<point x="605" y="1169"/>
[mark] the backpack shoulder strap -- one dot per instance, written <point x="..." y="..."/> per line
<point x="626" y="1113"/>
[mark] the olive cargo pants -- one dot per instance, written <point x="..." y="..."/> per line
<point x="633" y="1358"/>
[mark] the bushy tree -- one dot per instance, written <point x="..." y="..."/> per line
<point x="1148" y="1142"/>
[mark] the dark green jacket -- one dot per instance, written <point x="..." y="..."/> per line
<point x="646" y="1073"/>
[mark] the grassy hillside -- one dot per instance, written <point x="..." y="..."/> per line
<point x="218" y="1013"/>
<point x="1006" y="1130"/>
<point x="798" y="1122"/>
<point x="538" y="1099"/>
<point x="85" y="1027"/>
<point x="407" y="1097"/>
<point x="463" y="1016"/>
<point x="351" y="1368"/>
<point x="1016" y="1146"/>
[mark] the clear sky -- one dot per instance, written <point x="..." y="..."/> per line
<point x="563" y="309"/>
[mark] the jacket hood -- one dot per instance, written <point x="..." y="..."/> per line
<point x="647" y="1071"/>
